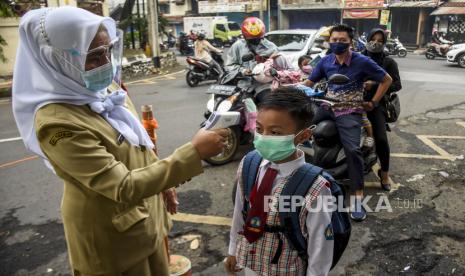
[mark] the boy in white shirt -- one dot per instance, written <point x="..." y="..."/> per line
<point x="283" y="121"/>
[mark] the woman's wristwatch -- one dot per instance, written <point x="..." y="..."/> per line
<point x="375" y="103"/>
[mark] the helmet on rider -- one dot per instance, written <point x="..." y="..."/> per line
<point x="253" y="30"/>
<point x="201" y="36"/>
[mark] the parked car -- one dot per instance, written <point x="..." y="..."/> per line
<point x="456" y="54"/>
<point x="295" y="43"/>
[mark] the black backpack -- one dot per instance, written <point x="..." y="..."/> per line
<point x="299" y="184"/>
<point x="392" y="107"/>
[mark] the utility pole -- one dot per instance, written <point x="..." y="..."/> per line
<point x="261" y="11"/>
<point x="269" y="14"/>
<point x="153" y="12"/>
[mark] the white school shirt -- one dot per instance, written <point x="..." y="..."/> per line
<point x="319" y="249"/>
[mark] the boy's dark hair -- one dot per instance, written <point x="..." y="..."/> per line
<point x="302" y="58"/>
<point x="342" y="28"/>
<point x="292" y="100"/>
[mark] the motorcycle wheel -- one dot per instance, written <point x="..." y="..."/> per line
<point x="191" y="80"/>
<point x="229" y="152"/>
<point x="461" y="60"/>
<point x="402" y="53"/>
<point x="429" y="55"/>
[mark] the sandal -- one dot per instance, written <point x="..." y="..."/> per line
<point x="386" y="187"/>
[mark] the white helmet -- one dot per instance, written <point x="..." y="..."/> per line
<point x="259" y="74"/>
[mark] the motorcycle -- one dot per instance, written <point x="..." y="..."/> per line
<point x="360" y="43"/>
<point x="200" y="70"/>
<point x="325" y="148"/>
<point x="186" y="45"/>
<point x="432" y="53"/>
<point x="395" y="47"/>
<point x="233" y="93"/>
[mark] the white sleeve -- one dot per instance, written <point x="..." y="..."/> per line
<point x="237" y="222"/>
<point x="320" y="243"/>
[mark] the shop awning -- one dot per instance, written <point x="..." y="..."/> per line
<point x="448" y="10"/>
<point x="415" y="4"/>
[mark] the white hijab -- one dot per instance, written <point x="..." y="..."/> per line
<point x="41" y="76"/>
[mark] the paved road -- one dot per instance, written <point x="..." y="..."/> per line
<point x="31" y="236"/>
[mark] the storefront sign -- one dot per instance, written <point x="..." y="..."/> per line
<point x="230" y="6"/>
<point x="363" y="4"/>
<point x="361" y="14"/>
<point x="384" y="19"/>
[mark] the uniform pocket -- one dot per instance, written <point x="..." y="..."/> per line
<point x="124" y="221"/>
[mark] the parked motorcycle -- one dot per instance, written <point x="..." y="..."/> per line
<point x="231" y="94"/>
<point x="325" y="149"/>
<point x="432" y="52"/>
<point x="395" y="47"/>
<point x="199" y="70"/>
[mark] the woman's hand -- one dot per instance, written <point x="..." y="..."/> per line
<point x="209" y="143"/>
<point x="171" y="200"/>
<point x="368" y="106"/>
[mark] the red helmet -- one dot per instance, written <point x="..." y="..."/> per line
<point x="253" y="28"/>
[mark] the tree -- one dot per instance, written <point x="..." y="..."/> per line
<point x="5" y="11"/>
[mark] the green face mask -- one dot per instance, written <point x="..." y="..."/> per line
<point x="275" y="148"/>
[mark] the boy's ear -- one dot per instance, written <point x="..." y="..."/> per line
<point x="304" y="136"/>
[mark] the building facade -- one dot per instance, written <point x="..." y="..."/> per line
<point x="449" y="19"/>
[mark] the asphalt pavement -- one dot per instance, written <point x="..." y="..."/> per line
<point x="424" y="238"/>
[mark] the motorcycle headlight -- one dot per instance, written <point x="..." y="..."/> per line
<point x="227" y="104"/>
<point x="224" y="106"/>
<point x="211" y="103"/>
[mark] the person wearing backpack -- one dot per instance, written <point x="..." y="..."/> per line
<point x="284" y="241"/>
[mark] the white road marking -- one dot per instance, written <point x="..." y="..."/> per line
<point x="10" y="139"/>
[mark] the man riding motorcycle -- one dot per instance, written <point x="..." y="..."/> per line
<point x="253" y="31"/>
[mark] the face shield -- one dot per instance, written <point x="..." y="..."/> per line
<point x="117" y="55"/>
<point x="105" y="61"/>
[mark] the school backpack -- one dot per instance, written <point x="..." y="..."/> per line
<point x="299" y="185"/>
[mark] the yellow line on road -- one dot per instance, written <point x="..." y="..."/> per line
<point x="461" y="124"/>
<point x="423" y="156"/>
<point x="425" y="139"/>
<point x="9" y="164"/>
<point x="212" y="220"/>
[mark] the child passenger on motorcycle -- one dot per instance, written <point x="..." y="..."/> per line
<point x="280" y="70"/>
<point x="304" y="66"/>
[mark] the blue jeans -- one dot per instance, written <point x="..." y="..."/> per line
<point x="349" y="128"/>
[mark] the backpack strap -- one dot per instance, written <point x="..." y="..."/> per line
<point x="298" y="185"/>
<point x="250" y="167"/>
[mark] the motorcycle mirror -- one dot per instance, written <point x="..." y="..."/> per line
<point x="248" y="57"/>
<point x="338" y="79"/>
<point x="315" y="51"/>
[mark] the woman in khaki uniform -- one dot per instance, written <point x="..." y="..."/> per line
<point x="113" y="215"/>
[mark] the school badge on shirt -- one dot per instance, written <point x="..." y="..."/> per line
<point x="255" y="223"/>
<point x="329" y="233"/>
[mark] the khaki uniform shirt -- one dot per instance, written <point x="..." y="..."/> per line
<point x="112" y="212"/>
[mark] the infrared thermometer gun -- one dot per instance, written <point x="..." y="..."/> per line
<point x="225" y="119"/>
